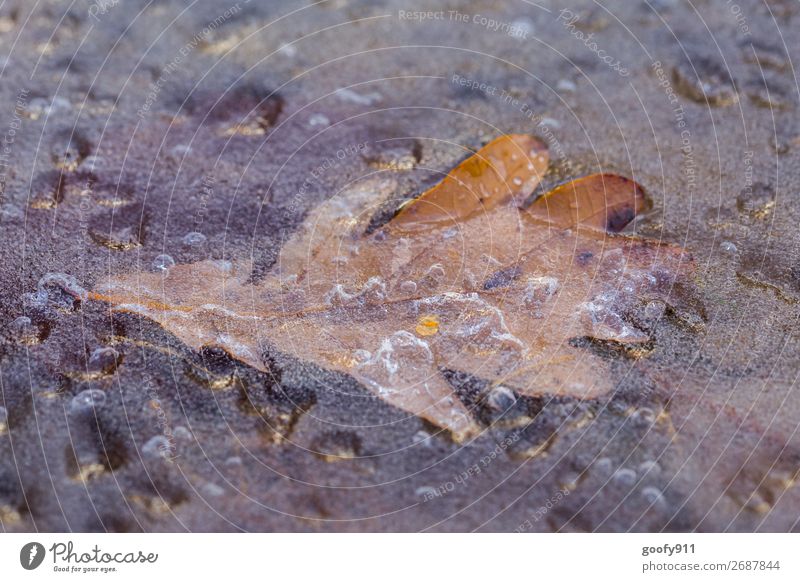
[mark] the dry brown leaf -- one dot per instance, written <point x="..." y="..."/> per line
<point x="478" y="184"/>
<point x="461" y="279"/>
<point x="603" y="202"/>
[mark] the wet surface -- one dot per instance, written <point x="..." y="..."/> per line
<point x="139" y="146"/>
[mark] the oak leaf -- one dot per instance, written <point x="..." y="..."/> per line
<point x="463" y="278"/>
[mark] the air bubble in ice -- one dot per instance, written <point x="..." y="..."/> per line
<point x="566" y="86"/>
<point x="213" y="490"/>
<point x="501" y="399"/>
<point x="158" y="447"/>
<point x="181" y="150"/>
<point x="319" y="120"/>
<point x="163" y="263"/>
<point x="61" y="290"/>
<point x="39" y="106"/>
<point x="603" y="465"/>
<point x="338" y="297"/>
<point x="358" y="98"/>
<point x="194" y="239"/>
<point x="426" y="492"/>
<point x="436" y="271"/>
<point x="93" y="163"/>
<point x="653" y="495"/>
<point x="422" y="437"/>
<point x="644" y="416"/>
<point x="182" y="433"/>
<point x="408" y="287"/>
<point x="521" y="28"/>
<point x="625" y="477"/>
<point x="103" y="360"/>
<point x="36" y="301"/>
<point x="649" y="467"/>
<point x="288" y="50"/>
<point x="87" y="400"/>
<point x="538" y="290"/>
<point x="373" y="291"/>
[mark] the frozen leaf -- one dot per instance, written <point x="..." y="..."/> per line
<point x="603" y="202"/>
<point x="462" y="279"/>
<point x="512" y="164"/>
